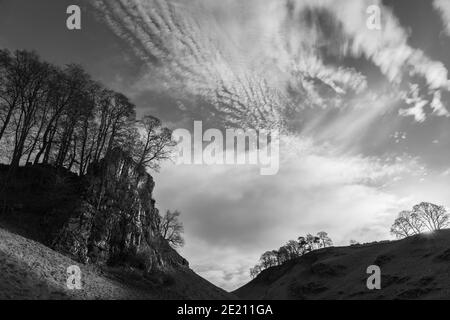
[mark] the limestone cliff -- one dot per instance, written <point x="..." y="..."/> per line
<point x="106" y="221"/>
<point x="106" y="217"/>
<point x="116" y="219"/>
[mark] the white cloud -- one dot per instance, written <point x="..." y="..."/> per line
<point x="229" y="221"/>
<point x="389" y="50"/>
<point x="417" y="102"/>
<point x="443" y="7"/>
<point x="437" y="105"/>
<point x="251" y="60"/>
<point x="389" y="47"/>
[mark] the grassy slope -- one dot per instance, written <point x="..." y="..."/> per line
<point x="414" y="268"/>
<point x="29" y="270"/>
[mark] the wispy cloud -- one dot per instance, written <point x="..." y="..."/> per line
<point x="387" y="48"/>
<point x="269" y="63"/>
<point x="253" y="61"/>
<point x="180" y="48"/>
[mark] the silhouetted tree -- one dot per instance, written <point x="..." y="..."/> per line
<point x="60" y="116"/>
<point x="294" y="249"/>
<point x="423" y="217"/>
<point x="171" y="228"/>
<point x="155" y="143"/>
<point x="291" y="250"/>
<point x="9" y="91"/>
<point x="29" y="79"/>
<point x="255" y="271"/>
<point x="432" y="216"/>
<point x="324" y="240"/>
<point x="312" y="242"/>
<point x="406" y="224"/>
<point x="268" y="259"/>
<point x="282" y="255"/>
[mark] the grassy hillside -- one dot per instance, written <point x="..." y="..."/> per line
<point x="30" y="270"/>
<point x="414" y="268"/>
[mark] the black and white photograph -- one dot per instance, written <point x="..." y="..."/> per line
<point x="224" y="154"/>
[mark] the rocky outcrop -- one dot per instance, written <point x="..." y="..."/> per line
<point x="116" y="221"/>
<point x="107" y="216"/>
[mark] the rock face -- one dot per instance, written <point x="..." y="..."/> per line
<point x="116" y="221"/>
<point x="107" y="217"/>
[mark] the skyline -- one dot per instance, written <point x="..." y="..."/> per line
<point x="364" y="113"/>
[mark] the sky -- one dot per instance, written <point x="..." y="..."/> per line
<point x="364" y="113"/>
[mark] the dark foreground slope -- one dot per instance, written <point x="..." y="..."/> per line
<point x="414" y="268"/>
<point x="30" y="270"/>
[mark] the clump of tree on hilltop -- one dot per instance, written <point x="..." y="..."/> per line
<point x="424" y="217"/>
<point x="291" y="250"/>
<point x="60" y="116"/>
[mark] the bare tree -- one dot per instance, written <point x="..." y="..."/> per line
<point x="28" y="80"/>
<point x="171" y="228"/>
<point x="424" y="217"/>
<point x="255" y="271"/>
<point x="432" y="216"/>
<point x="60" y="116"/>
<point x="291" y="250"/>
<point x="122" y="117"/>
<point x="303" y="244"/>
<point x="324" y="239"/>
<point x="155" y="143"/>
<point x="406" y="224"/>
<point x="312" y="242"/>
<point x="65" y="101"/>
<point x="9" y="95"/>
<point x="281" y="255"/>
<point x="294" y="249"/>
<point x="268" y="259"/>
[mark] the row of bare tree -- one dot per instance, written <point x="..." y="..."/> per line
<point x="61" y="116"/>
<point x="291" y="250"/>
<point x="424" y="217"/>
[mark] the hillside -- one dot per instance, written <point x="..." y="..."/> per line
<point x="414" y="268"/>
<point x="30" y="270"/>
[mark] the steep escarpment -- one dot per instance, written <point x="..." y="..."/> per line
<point x="107" y="218"/>
<point x="116" y="219"/>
